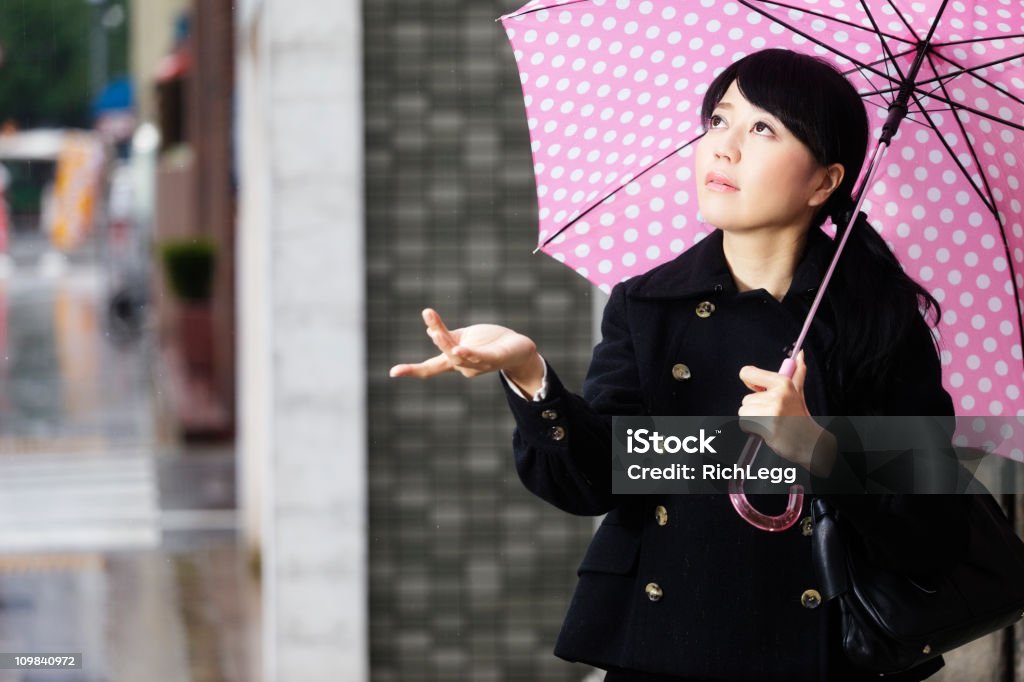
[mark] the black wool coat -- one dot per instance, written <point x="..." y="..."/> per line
<point x="730" y="605"/>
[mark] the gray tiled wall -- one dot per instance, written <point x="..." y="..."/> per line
<point x="469" y="573"/>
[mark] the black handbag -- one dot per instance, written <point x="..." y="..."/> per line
<point x="890" y="623"/>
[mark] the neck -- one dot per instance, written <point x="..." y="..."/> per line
<point x="764" y="259"/>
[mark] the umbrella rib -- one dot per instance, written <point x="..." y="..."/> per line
<point x="994" y="86"/>
<point x="539" y="9"/>
<point x="881" y="93"/>
<point x="992" y="210"/>
<point x="961" y="107"/>
<point x="920" y="91"/>
<point x="986" y="197"/>
<point x="966" y="139"/>
<point x="937" y="111"/>
<point x="971" y="69"/>
<point x="885" y="46"/>
<point x="749" y="5"/>
<point x="978" y="40"/>
<point x="614" y="191"/>
<point x="938" y="80"/>
<point x="896" y="9"/>
<point x="832" y="18"/>
<point x="910" y="114"/>
<point x="910" y="50"/>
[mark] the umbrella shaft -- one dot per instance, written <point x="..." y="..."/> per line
<point x="898" y="109"/>
<point x="876" y="160"/>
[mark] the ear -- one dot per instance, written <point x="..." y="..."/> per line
<point x="832" y="177"/>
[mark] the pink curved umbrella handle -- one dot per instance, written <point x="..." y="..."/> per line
<point x="772" y="524"/>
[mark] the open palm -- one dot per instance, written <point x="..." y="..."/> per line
<point x="471" y="351"/>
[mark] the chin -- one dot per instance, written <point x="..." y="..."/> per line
<point x="720" y="219"/>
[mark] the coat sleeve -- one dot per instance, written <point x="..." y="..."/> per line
<point x="919" y="535"/>
<point x="562" y="444"/>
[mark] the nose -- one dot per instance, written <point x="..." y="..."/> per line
<point x="725" y="149"/>
<point x="726" y="146"/>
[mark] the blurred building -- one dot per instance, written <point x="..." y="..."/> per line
<point x="183" y="65"/>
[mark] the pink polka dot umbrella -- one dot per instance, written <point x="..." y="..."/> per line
<point x="613" y="91"/>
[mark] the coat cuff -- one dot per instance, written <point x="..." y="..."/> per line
<point x="541" y="393"/>
<point x="541" y="421"/>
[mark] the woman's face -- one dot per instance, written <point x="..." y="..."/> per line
<point x="752" y="172"/>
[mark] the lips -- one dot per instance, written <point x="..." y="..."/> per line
<point x="716" y="180"/>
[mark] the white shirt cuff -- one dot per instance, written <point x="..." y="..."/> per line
<point x="541" y="393"/>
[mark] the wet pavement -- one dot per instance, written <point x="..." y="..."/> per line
<point x="112" y="544"/>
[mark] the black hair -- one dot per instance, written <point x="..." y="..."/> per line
<point x="872" y="313"/>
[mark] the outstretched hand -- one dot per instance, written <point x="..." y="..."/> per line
<point x="472" y="351"/>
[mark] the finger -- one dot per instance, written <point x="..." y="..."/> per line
<point x="437" y="330"/>
<point x="760" y="404"/>
<point x="423" y="370"/>
<point x="801" y="371"/>
<point x="757" y="379"/>
<point x="465" y="355"/>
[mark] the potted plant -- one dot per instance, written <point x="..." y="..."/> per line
<point x="189" y="264"/>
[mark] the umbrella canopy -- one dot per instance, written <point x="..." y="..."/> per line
<point x="613" y="91"/>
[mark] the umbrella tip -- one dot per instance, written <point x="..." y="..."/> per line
<point x="536" y="250"/>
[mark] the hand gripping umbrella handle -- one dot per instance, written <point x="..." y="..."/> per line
<point x="772" y="524"/>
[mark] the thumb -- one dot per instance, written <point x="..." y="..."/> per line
<point x="801" y="371"/>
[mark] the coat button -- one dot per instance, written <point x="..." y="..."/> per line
<point x="557" y="433"/>
<point x="705" y="308"/>
<point x="661" y="515"/>
<point x="806" y="525"/>
<point x="810" y="599"/>
<point x="653" y="591"/>
<point x="550" y="415"/>
<point x="680" y="372"/>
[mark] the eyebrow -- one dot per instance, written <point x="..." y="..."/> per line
<point x="722" y="104"/>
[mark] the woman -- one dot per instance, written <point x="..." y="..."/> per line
<point x="679" y="587"/>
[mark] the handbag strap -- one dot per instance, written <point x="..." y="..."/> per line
<point x="828" y="551"/>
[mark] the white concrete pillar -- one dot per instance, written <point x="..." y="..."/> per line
<point x="302" y="382"/>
